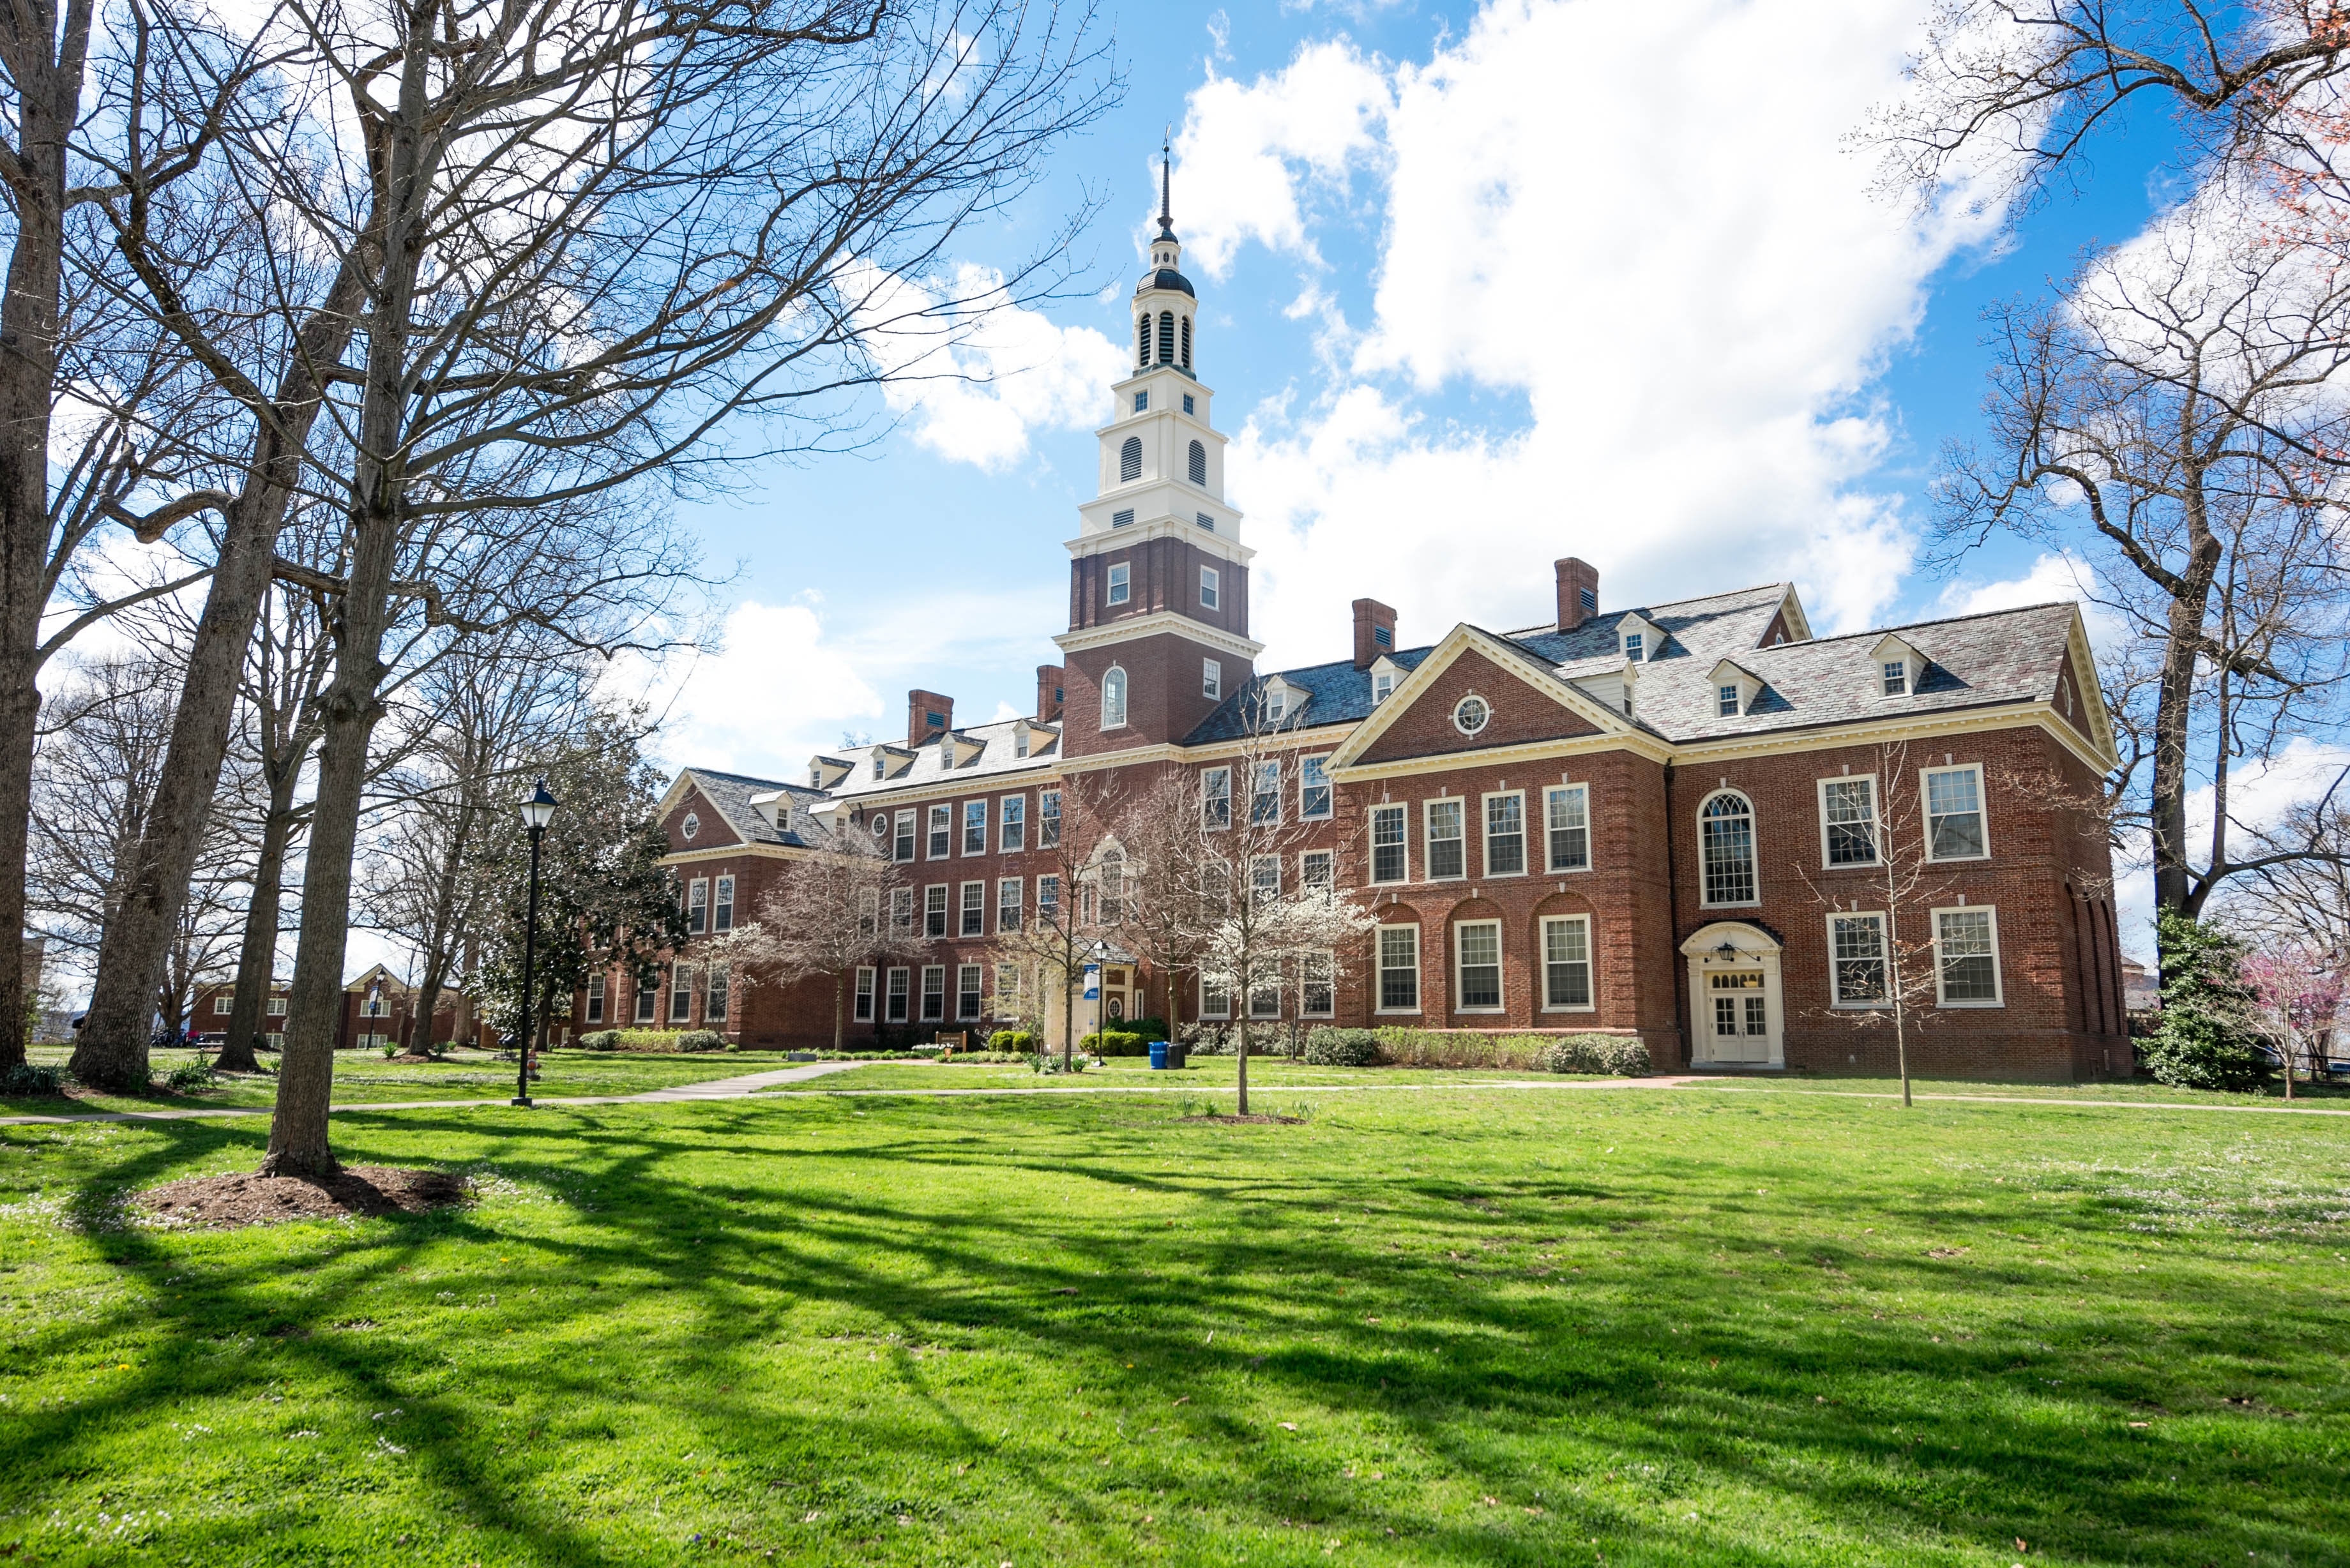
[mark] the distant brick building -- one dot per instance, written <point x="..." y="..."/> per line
<point x="1662" y="820"/>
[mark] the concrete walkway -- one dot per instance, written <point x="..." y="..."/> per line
<point x="716" y="1089"/>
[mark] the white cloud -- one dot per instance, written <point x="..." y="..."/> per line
<point x="1639" y="224"/>
<point x="973" y="374"/>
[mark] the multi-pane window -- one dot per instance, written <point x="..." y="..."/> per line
<point x="697" y="908"/>
<point x="1856" y="969"/>
<point x="1505" y="834"/>
<point x="863" y="1012"/>
<point x="1567" y="810"/>
<point x="901" y="912"/>
<point x="722" y="908"/>
<point x="1048" y="819"/>
<point x="967" y="991"/>
<point x="1566" y="960"/>
<point x="1966" y="943"/>
<point x="1211" y="679"/>
<point x="1317" y="869"/>
<point x="1382" y="686"/>
<point x="1387" y="858"/>
<point x="1477" y="953"/>
<point x="1007" y="990"/>
<point x="1848" y="821"/>
<point x="1048" y="898"/>
<point x="647" y="1001"/>
<point x="1398" y="969"/>
<point x="934" y="910"/>
<point x="1122" y="582"/>
<point x="934" y="992"/>
<point x="1008" y="905"/>
<point x="1113" y="699"/>
<point x="713" y="1007"/>
<point x="1725" y="702"/>
<point x="1265" y="1000"/>
<point x="905" y="839"/>
<point x="1215" y="999"/>
<point x="278" y="1007"/>
<point x="1954" y="814"/>
<point x="974" y="828"/>
<point x="1209" y="588"/>
<point x="897" y="989"/>
<point x="1726" y="848"/>
<point x="595" y="999"/>
<point x="1447" y="853"/>
<point x="223" y="1005"/>
<point x="1264" y="800"/>
<point x="1216" y="798"/>
<point x="1313" y="787"/>
<point x="942" y="833"/>
<point x="869" y="912"/>
<point x="1112" y="877"/>
<point x="1741" y="1004"/>
<point x="1012" y="836"/>
<point x="680" y="992"/>
<point x="1633" y="643"/>
<point x="1265" y="878"/>
<point x="975" y="910"/>
<point x="1317" y="985"/>
<point x="1897" y="677"/>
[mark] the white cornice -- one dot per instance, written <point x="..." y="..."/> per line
<point x="1461" y="639"/>
<point x="1156" y="623"/>
<point x="1646" y="746"/>
<point x="1908" y="727"/>
<point x="1169" y="528"/>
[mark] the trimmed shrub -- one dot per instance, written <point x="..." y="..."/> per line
<point x="1327" y="1047"/>
<point x="1208" y="1039"/>
<point x="1607" y="1055"/>
<point x="1020" y="1041"/>
<point x="601" y="1040"/>
<point x="1115" y="1042"/>
<point x="1149" y="1028"/>
<point x="700" y="1040"/>
<point x="30" y="1078"/>
<point x="1613" y="1055"/>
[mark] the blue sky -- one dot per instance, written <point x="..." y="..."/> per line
<point x="1481" y="286"/>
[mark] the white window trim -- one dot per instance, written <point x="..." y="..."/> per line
<point x="1379" y="972"/>
<point x="1206" y="795"/>
<point x="1836" y="996"/>
<point x="1576" y="789"/>
<point x="1590" y="963"/>
<point x="1124" y="696"/>
<point x="1501" y="974"/>
<point x="1998" y="969"/>
<point x="1303" y="981"/>
<point x="1383" y="685"/>
<point x="1485" y="834"/>
<point x="977" y="991"/>
<point x="964" y="827"/>
<point x="1876" y="822"/>
<point x="697" y="902"/>
<point x="1222" y="1012"/>
<point x="929" y="834"/>
<point x="1212" y="679"/>
<point x="1304" y="856"/>
<point x="890" y="990"/>
<point x="1211" y="589"/>
<point x="921" y="1008"/>
<point x="1754" y="828"/>
<point x="865" y="986"/>
<point x="1006" y="805"/>
<point x="1019" y="887"/>
<point x="1428" y="838"/>
<point x="1255" y="861"/>
<point x="946" y="911"/>
<point x="1371" y="844"/>
<point x="1256" y="794"/>
<point x="964" y="911"/>
<point x="1329" y="790"/>
<point x="1482" y="725"/>
<point x="1925" y="812"/>
<point x="1117" y="589"/>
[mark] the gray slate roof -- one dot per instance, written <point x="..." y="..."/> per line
<point x="996" y="759"/>
<point x="732" y="793"/>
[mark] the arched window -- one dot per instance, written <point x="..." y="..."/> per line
<point x="1129" y="460"/>
<point x="1726" y="846"/>
<point x="1142" y="341"/>
<point x="1166" y="338"/>
<point x="1113" y="884"/>
<point x="1199" y="465"/>
<point x="1187" y="343"/>
<point x="1113" y="698"/>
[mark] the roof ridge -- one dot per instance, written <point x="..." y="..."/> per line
<point x="1915" y="624"/>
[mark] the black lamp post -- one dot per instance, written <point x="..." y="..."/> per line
<point x="537" y="812"/>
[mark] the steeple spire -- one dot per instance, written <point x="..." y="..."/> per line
<point x="1166" y="182"/>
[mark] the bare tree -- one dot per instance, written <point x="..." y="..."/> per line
<point x="1168" y="875"/>
<point x="827" y="915"/>
<point x="2179" y="401"/>
<point x="1057" y="936"/>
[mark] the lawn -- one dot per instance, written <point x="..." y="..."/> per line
<point x="1658" y="1326"/>
<point x="361" y="1077"/>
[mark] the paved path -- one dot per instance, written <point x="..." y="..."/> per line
<point x="716" y="1089"/>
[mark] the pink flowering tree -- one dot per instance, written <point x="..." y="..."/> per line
<point x="2298" y="989"/>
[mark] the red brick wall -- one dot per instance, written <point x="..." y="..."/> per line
<point x="1164" y="699"/>
<point x="1520" y="714"/>
<point x="1164" y="575"/>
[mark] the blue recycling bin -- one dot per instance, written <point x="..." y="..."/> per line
<point x="1159" y="1055"/>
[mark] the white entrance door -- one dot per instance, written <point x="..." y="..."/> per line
<point x="1739" y="1014"/>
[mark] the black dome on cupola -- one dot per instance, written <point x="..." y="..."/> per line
<point x="1165" y="277"/>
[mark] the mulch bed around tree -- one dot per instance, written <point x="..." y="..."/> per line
<point x="368" y="1191"/>
<point x="1251" y="1120"/>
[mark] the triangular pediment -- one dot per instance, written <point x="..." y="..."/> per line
<point x="1523" y="700"/>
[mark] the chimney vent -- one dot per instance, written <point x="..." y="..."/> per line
<point x="1374" y="632"/>
<point x="929" y="715"/>
<point x="1049" y="679"/>
<point x="1578" y="592"/>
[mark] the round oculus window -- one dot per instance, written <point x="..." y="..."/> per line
<point x="693" y="825"/>
<point x="881" y="825"/>
<point x="1471" y="715"/>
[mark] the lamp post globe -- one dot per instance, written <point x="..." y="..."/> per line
<point x="536" y="812"/>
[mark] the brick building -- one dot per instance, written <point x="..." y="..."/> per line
<point x="1668" y="819"/>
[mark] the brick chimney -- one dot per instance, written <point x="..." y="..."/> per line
<point x="927" y="716"/>
<point x="1578" y="592"/>
<point x="1049" y="686"/>
<point x="1374" y="632"/>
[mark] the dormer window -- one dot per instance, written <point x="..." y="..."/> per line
<point x="1382" y="687"/>
<point x="1735" y="687"/>
<point x="815" y="778"/>
<point x="1726" y="701"/>
<point x="877" y="764"/>
<point x="1897" y="677"/>
<point x="1898" y="666"/>
<point x="1634" y="643"/>
<point x="1020" y="742"/>
<point x="1642" y="638"/>
<point x="1276" y="703"/>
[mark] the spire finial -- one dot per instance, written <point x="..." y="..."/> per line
<point x="1166" y="182"/>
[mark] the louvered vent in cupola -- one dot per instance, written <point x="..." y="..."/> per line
<point x="1124" y="519"/>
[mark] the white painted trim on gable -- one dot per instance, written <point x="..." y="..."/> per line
<point x="1459" y="640"/>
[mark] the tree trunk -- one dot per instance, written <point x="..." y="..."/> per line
<point x="256" y="962"/>
<point x="2174" y="706"/>
<point x="1068" y="1019"/>
<point x="1241" y="1050"/>
<point x="839" y="1015"/>
<point x="130" y="955"/>
<point x="45" y="64"/>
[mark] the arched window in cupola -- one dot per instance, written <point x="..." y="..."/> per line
<point x="1142" y="341"/>
<point x="1130" y="461"/>
<point x="1113" y="698"/>
<point x="1166" y="338"/>
<point x="1187" y="343"/>
<point x="1199" y="465"/>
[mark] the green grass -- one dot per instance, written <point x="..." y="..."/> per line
<point x="1648" y="1326"/>
<point x="361" y="1077"/>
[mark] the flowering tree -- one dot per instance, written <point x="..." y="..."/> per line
<point x="830" y="913"/>
<point x="2298" y="991"/>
